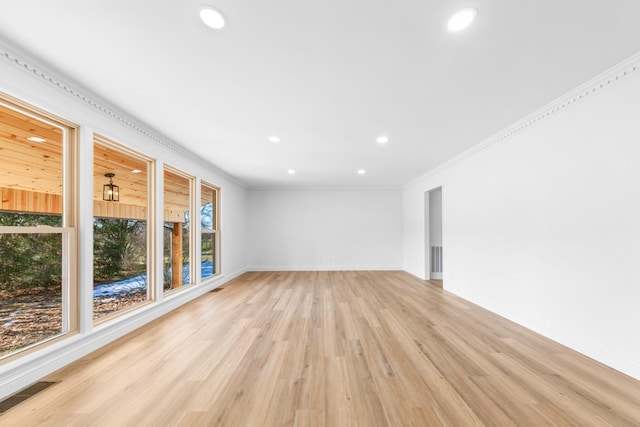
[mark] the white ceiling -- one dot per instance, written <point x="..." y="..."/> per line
<point x="326" y="77"/>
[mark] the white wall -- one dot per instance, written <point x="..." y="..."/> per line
<point x="324" y="230"/>
<point x="26" y="79"/>
<point x="542" y="223"/>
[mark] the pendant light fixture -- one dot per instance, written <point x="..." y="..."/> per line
<point x="110" y="191"/>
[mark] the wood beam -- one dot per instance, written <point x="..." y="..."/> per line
<point x="119" y="210"/>
<point x="30" y="201"/>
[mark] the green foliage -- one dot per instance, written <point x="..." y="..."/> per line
<point x="119" y="249"/>
<point x="30" y="260"/>
<point x="35" y="260"/>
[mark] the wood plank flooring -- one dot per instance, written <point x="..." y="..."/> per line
<point x="332" y="349"/>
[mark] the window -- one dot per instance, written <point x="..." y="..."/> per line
<point x="38" y="286"/>
<point x="121" y="249"/>
<point x="209" y="231"/>
<point x="178" y="196"/>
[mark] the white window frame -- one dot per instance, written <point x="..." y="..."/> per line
<point x="215" y="231"/>
<point x="193" y="207"/>
<point x="70" y="284"/>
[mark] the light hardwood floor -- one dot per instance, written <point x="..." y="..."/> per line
<point x="334" y="349"/>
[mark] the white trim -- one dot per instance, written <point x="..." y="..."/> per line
<point x="159" y="229"/>
<point x="614" y="361"/>
<point x="196" y="226"/>
<point x="85" y="234"/>
<point x="326" y="188"/>
<point x="328" y="268"/>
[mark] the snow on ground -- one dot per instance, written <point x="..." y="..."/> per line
<point x="139" y="283"/>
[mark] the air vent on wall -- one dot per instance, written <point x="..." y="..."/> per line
<point x="436" y="259"/>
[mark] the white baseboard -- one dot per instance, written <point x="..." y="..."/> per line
<point x="614" y="361"/>
<point x="605" y="357"/>
<point x="24" y="371"/>
<point x="325" y="268"/>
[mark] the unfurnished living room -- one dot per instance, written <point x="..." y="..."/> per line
<point x="354" y="213"/>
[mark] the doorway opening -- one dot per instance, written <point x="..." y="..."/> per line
<point x="433" y="236"/>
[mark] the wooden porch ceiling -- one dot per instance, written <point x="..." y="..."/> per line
<point x="28" y="165"/>
<point x="36" y="167"/>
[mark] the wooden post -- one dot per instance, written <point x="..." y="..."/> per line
<point x="176" y="255"/>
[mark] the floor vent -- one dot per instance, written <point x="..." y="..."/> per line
<point x="216" y="290"/>
<point x="23" y="395"/>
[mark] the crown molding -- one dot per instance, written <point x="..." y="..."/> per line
<point x="325" y="188"/>
<point x="30" y="65"/>
<point x="583" y="92"/>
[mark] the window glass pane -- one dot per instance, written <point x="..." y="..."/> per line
<point x="31" y="180"/>
<point x="30" y="167"/>
<point x="30" y="287"/>
<point x="177" y="234"/>
<point x="208" y="231"/>
<point x="120" y="255"/>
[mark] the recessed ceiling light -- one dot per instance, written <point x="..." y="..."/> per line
<point x="212" y="17"/>
<point x="382" y="139"/>
<point x="36" y="139"/>
<point x="136" y="171"/>
<point x="462" y="19"/>
<point x="361" y="171"/>
<point x="291" y="171"/>
<point x="273" y="139"/>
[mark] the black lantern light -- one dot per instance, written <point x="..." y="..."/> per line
<point x="110" y="192"/>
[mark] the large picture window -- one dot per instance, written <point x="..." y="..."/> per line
<point x="209" y="259"/>
<point x="178" y="196"/>
<point x="120" y="229"/>
<point x="38" y="290"/>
